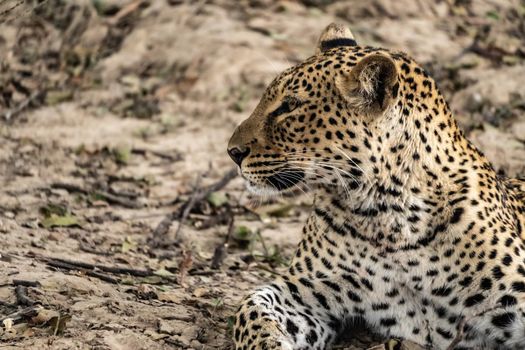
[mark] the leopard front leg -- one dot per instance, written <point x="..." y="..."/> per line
<point x="283" y="315"/>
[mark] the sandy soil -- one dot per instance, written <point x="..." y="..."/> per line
<point x="115" y="113"/>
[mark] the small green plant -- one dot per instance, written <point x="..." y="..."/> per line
<point x="230" y="322"/>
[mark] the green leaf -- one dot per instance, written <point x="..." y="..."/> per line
<point x="128" y="245"/>
<point x="122" y="154"/>
<point x="243" y="233"/>
<point x="151" y="280"/>
<point x="230" y="323"/>
<point x="163" y="288"/>
<point x="106" y="7"/>
<point x="128" y="281"/>
<point x="217" y="199"/>
<point x="163" y="273"/>
<point x="493" y="15"/>
<point x="217" y="302"/>
<point x="53" y="209"/>
<point x="54" y="97"/>
<point x="243" y="236"/>
<point x="54" y="220"/>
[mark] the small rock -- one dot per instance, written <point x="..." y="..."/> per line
<point x="154" y="335"/>
<point x="132" y="83"/>
<point x="200" y="292"/>
<point x="196" y="344"/>
<point x="518" y="129"/>
<point x="501" y="148"/>
<point x="180" y="343"/>
<point x="169" y="297"/>
<point x="172" y="327"/>
<point x="191" y="332"/>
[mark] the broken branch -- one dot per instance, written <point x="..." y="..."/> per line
<point x="21" y="296"/>
<point x="111" y="269"/>
<point x="69" y="267"/>
<point x="110" y="198"/>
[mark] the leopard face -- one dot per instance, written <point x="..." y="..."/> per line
<point x="307" y="130"/>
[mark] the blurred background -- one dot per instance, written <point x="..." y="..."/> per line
<point x="122" y="222"/>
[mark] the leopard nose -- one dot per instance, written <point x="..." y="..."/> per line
<point x="238" y="154"/>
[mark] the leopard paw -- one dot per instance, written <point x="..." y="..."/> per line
<point x="274" y="344"/>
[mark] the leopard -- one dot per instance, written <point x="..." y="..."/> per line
<point x="411" y="230"/>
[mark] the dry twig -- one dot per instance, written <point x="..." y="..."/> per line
<point x="198" y="195"/>
<point x="222" y="218"/>
<point x="28" y="312"/>
<point x="189" y="206"/>
<point x="164" y="155"/>
<point x="21" y="296"/>
<point x="111" y="269"/>
<point x="6" y="304"/>
<point x="222" y="249"/>
<point x="69" y="267"/>
<point x="126" y="11"/>
<point x="8" y="115"/>
<point x="110" y="198"/>
<point x="25" y="283"/>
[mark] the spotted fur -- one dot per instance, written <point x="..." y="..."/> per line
<point x="412" y="230"/>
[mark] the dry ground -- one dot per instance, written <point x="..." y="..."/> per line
<point x="116" y="113"/>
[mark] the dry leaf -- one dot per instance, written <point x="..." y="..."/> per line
<point x="200" y="292"/>
<point x="185" y="265"/>
<point x="169" y="297"/>
<point x="8" y="324"/>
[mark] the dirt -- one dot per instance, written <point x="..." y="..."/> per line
<point x="115" y="114"/>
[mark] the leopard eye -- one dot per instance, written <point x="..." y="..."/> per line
<point x="289" y="104"/>
<point x="293" y="103"/>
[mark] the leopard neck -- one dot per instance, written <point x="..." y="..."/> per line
<point x="418" y="172"/>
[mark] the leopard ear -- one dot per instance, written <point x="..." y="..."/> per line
<point x="334" y="35"/>
<point x="371" y="85"/>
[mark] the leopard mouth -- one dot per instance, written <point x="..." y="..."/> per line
<point x="285" y="179"/>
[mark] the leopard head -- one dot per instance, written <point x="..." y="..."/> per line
<point x="310" y="128"/>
